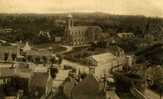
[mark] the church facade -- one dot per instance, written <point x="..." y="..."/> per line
<point x="79" y="35"/>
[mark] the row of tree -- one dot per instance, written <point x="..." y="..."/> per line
<point x="28" y="26"/>
<point x="35" y="59"/>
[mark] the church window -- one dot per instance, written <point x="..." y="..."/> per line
<point x="71" y="23"/>
<point x="79" y="33"/>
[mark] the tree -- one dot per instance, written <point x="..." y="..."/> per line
<point x="93" y="46"/>
<point x="44" y="59"/>
<point x="53" y="72"/>
<point x="52" y="60"/>
<point x="37" y="60"/>
<point x="91" y="61"/>
<point x="160" y="86"/>
<point x="29" y="58"/>
<point x="60" y="58"/>
<point x="13" y="55"/>
<point x="6" y="55"/>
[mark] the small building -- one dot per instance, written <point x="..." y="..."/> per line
<point x="58" y="39"/>
<point x="104" y="64"/>
<point x="45" y="34"/>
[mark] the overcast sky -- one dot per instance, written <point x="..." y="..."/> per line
<point x="129" y="7"/>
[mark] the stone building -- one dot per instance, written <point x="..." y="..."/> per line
<point x="79" y="35"/>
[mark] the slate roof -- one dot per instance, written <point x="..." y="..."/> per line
<point x="85" y="28"/>
<point x="7" y="49"/>
<point x="39" y="79"/>
<point x="88" y="88"/>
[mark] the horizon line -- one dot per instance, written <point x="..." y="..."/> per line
<point x="80" y="12"/>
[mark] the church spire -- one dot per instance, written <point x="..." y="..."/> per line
<point x="69" y="21"/>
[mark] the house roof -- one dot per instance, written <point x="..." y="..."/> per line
<point x="104" y="58"/>
<point x="22" y="70"/>
<point x="39" y="79"/>
<point x="6" y="72"/>
<point x="11" y="49"/>
<point x="88" y="88"/>
<point x="26" y="47"/>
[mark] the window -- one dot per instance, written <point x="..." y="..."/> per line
<point x="71" y="23"/>
<point x="1" y="82"/>
<point x="79" y="33"/>
<point x="71" y="33"/>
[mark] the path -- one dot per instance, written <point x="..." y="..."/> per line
<point x="68" y="49"/>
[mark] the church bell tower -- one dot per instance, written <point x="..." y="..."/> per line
<point x="69" y="25"/>
<point x="69" y="21"/>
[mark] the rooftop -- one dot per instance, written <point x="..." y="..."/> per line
<point x="6" y="72"/>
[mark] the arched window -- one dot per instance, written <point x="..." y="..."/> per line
<point x="71" y="23"/>
<point x="79" y="32"/>
<point x="72" y="33"/>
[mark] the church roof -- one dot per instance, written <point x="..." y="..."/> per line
<point x="85" y="28"/>
<point x="79" y="28"/>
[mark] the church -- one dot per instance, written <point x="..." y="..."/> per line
<point x="79" y="35"/>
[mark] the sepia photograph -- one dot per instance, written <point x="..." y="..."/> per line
<point x="81" y="49"/>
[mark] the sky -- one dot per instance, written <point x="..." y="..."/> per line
<point x="122" y="7"/>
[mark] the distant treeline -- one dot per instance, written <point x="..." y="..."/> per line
<point x="27" y="26"/>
